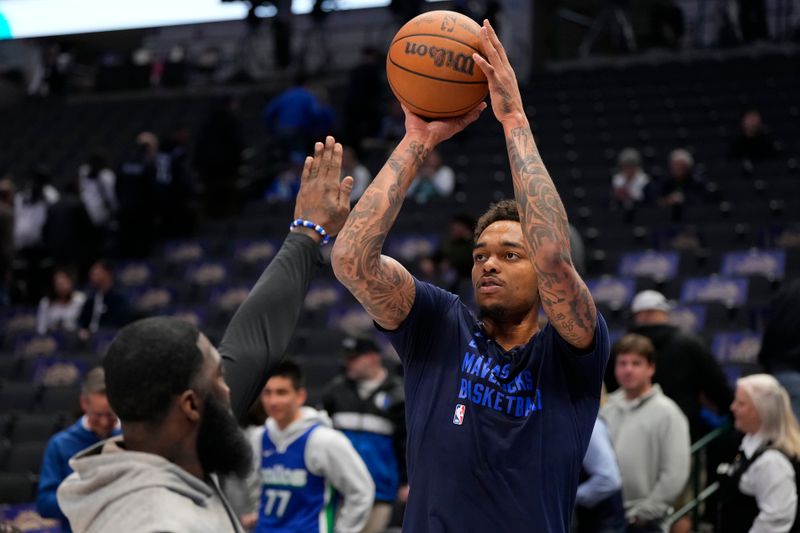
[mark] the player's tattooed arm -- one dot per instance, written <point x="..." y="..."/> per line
<point x="565" y="298"/>
<point x="564" y="295"/>
<point x="382" y="285"/>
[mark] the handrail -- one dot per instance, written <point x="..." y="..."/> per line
<point x="701" y="496"/>
<point x="706" y="439"/>
<point x="686" y="509"/>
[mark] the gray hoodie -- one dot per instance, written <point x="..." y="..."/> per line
<point x="113" y="489"/>
<point x="329" y="454"/>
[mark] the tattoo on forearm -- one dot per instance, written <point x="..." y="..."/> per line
<point x="384" y="288"/>
<point x="566" y="299"/>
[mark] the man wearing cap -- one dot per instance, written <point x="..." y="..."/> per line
<point x="686" y="371"/>
<point x="367" y="404"/>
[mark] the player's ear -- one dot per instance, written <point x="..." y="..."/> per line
<point x="189" y="405"/>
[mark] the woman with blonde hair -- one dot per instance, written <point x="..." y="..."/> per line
<point x="759" y="490"/>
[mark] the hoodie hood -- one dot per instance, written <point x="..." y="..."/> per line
<point x="309" y="416"/>
<point x="107" y="472"/>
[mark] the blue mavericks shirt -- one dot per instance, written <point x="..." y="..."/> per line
<point x="495" y="439"/>
<point x="293" y="500"/>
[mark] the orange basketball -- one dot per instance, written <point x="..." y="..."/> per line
<point x="430" y="65"/>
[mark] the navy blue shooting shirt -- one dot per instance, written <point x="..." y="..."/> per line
<point x="495" y="438"/>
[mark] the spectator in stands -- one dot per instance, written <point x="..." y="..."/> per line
<point x="367" y="403"/>
<point x="59" y="311"/>
<point x="105" y="307"/>
<point x="286" y="184"/>
<point x="97" y="423"/>
<point x="650" y="436"/>
<point x="351" y="166"/>
<point x="135" y="190"/>
<point x="754" y="143"/>
<point x="759" y="489"/>
<point x="218" y="156"/>
<point x="451" y="263"/>
<point x="177" y="191"/>
<point x="631" y="185"/>
<point x="780" y="347"/>
<point x="298" y="441"/>
<point x="166" y="382"/>
<point x="687" y="372"/>
<point x="97" y="183"/>
<point x="292" y="116"/>
<point x="7" y="191"/>
<point x="598" y="503"/>
<point x="682" y="186"/>
<point x="362" y="104"/>
<point x="69" y="236"/>
<point x="30" y="215"/>
<point x="434" y="180"/>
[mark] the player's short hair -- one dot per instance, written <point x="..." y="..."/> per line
<point x="149" y="362"/>
<point x="94" y="382"/>
<point x="292" y="371"/>
<point x="502" y="210"/>
<point x="638" y="344"/>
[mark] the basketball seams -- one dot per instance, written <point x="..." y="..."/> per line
<point x="438" y="36"/>
<point x="401" y="67"/>
<point x="440" y="114"/>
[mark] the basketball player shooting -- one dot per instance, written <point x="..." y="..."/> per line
<point x="499" y="412"/>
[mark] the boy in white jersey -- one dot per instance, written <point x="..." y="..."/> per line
<point x="311" y="479"/>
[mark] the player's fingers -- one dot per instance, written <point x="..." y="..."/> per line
<point x="488" y="70"/>
<point x="495" y="40"/>
<point x="473" y="115"/>
<point x="306" y="169"/>
<point x="336" y="157"/>
<point x="345" y="189"/>
<point x="488" y="47"/>
<point x="318" y="150"/>
<point x="327" y="154"/>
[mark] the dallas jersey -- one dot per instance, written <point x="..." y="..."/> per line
<point x="293" y="500"/>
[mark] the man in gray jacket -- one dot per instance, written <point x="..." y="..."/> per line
<point x="650" y="436"/>
<point x="170" y="388"/>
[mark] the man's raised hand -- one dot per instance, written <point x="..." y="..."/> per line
<point x="322" y="198"/>
<point x="503" y="86"/>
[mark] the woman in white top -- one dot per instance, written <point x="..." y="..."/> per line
<point x="60" y="310"/>
<point x="759" y="490"/>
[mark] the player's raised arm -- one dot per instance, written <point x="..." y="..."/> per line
<point x="382" y="285"/>
<point x="565" y="298"/>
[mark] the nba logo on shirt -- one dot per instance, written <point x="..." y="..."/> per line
<point x="458" y="416"/>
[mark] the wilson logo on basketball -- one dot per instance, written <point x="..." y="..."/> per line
<point x="443" y="57"/>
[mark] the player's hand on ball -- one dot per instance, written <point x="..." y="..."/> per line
<point x="322" y="198"/>
<point x="503" y="86"/>
<point x="442" y="129"/>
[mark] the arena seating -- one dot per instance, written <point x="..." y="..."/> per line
<point x="720" y="260"/>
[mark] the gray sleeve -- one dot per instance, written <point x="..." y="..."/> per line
<point x="264" y="323"/>
<point x="330" y="454"/>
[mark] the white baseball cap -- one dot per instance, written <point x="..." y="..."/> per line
<point x="650" y="301"/>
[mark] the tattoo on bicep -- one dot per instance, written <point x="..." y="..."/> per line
<point x="385" y="289"/>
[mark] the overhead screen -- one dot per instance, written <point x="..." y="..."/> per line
<point x="21" y="19"/>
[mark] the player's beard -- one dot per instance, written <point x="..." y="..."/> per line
<point x="222" y="447"/>
<point x="500" y="314"/>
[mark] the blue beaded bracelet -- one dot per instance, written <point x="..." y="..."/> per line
<point x="308" y="224"/>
